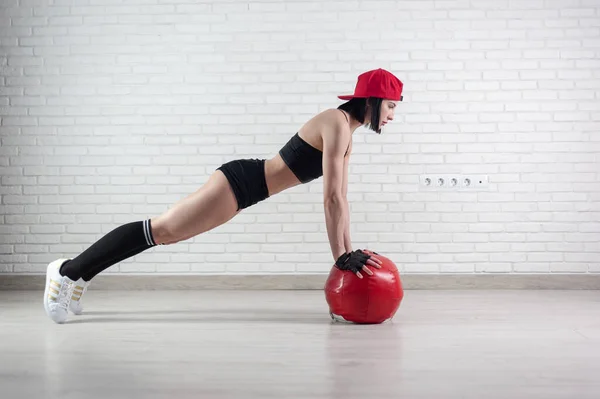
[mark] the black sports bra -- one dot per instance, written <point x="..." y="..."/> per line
<point x="304" y="160"/>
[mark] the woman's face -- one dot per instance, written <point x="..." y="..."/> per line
<point x="386" y="115"/>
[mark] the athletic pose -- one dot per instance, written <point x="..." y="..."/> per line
<point x="321" y="147"/>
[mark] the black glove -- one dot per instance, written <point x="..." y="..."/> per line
<point x="353" y="261"/>
<point x="373" y="252"/>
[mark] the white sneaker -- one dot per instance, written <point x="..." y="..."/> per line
<point x="57" y="295"/>
<point x="79" y="289"/>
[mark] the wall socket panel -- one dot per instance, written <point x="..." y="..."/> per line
<point x="451" y="182"/>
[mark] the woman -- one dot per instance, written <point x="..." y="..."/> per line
<point x="321" y="147"/>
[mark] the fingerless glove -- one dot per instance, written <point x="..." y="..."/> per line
<point x="352" y="261"/>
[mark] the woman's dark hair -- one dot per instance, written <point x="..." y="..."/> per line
<point x="357" y="107"/>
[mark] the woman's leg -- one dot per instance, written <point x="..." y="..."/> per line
<point x="212" y="205"/>
<point x="209" y="207"/>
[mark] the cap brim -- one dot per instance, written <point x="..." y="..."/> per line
<point x="348" y="97"/>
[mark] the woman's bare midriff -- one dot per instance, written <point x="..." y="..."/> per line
<point x="279" y="177"/>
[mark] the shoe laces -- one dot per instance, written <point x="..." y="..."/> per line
<point x="64" y="294"/>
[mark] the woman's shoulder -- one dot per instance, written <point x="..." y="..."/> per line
<point x="332" y="119"/>
<point x="335" y="126"/>
<point x="325" y="125"/>
<point x="336" y="113"/>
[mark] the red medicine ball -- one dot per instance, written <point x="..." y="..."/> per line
<point x="370" y="300"/>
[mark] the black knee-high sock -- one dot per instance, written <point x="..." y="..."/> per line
<point x="121" y="243"/>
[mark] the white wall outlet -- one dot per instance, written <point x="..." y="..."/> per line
<point x="426" y="181"/>
<point x="453" y="182"/>
<point x="474" y="182"/>
<point x="440" y="182"/>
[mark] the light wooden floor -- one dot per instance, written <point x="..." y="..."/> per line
<point x="282" y="344"/>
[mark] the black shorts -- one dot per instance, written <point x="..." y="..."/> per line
<point x="247" y="179"/>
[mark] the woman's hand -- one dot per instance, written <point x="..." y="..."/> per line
<point x="356" y="261"/>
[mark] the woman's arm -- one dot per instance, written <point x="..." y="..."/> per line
<point x="347" y="241"/>
<point x="335" y="143"/>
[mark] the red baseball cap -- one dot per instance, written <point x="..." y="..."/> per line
<point x="377" y="83"/>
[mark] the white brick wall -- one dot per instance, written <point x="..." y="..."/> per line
<point x="112" y="110"/>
